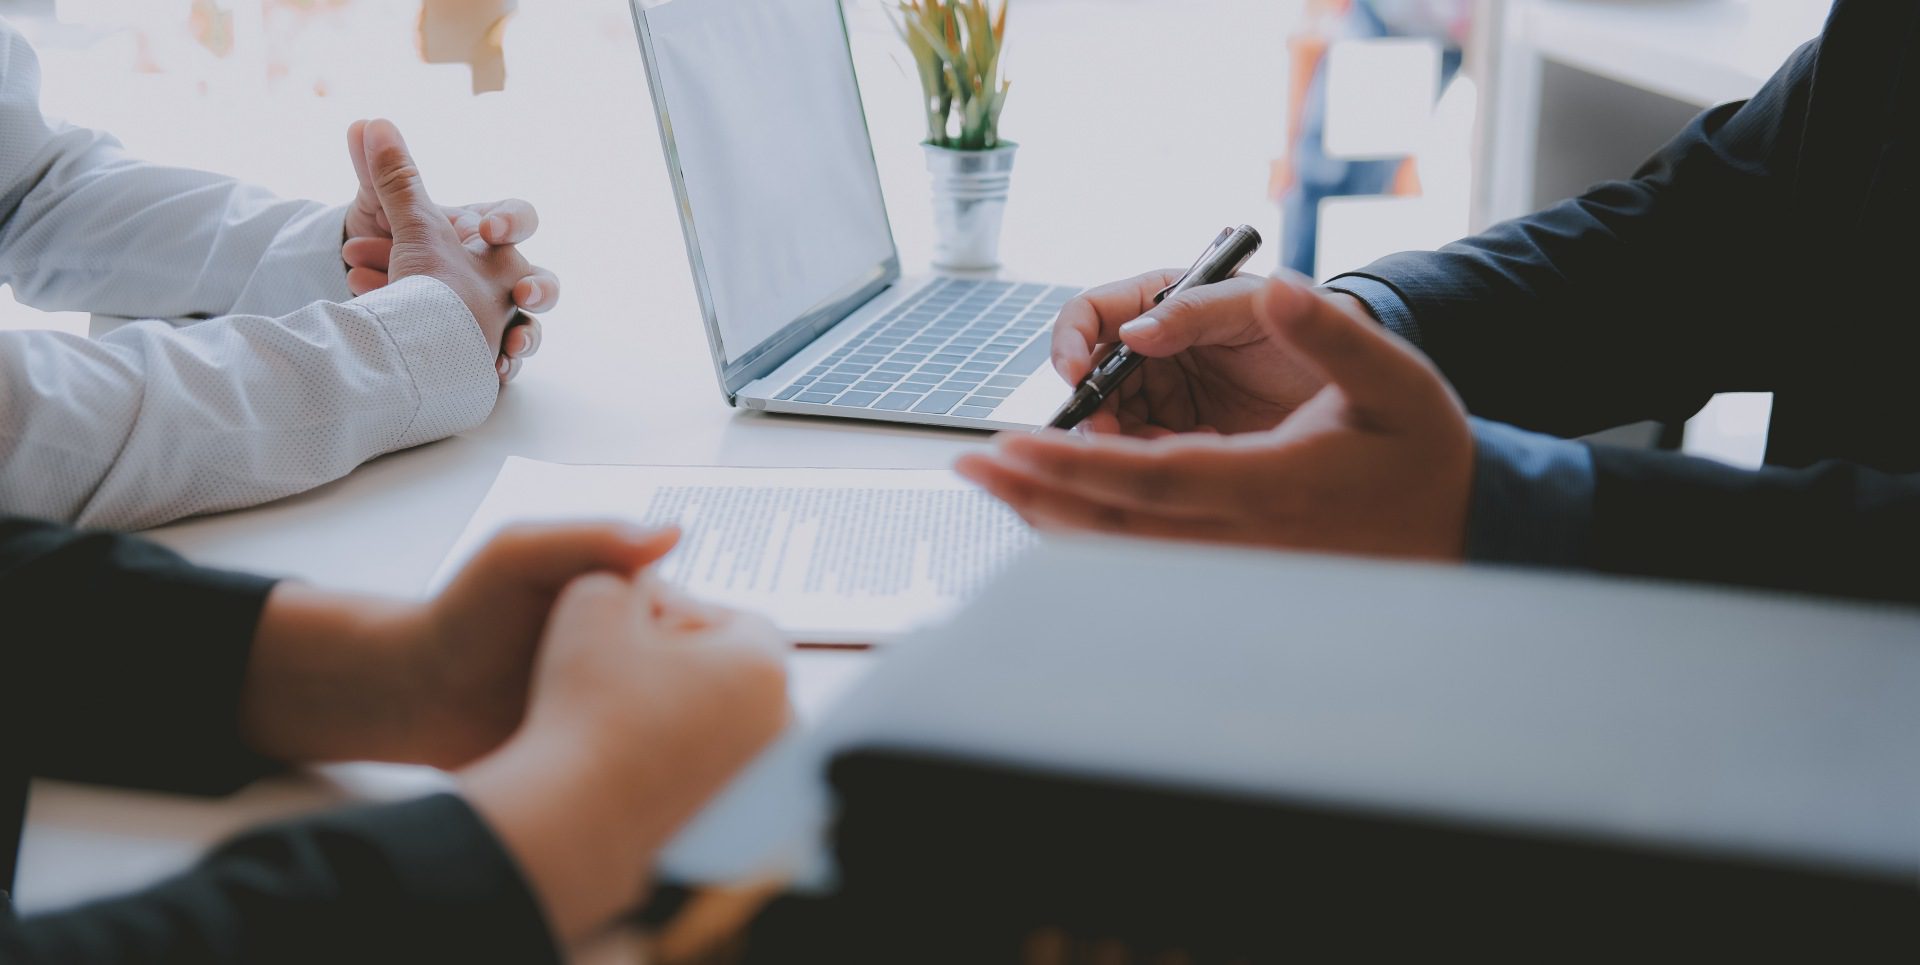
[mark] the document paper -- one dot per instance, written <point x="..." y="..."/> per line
<point x="833" y="556"/>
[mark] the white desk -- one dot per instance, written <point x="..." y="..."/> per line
<point x="625" y="375"/>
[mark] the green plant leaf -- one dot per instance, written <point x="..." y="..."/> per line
<point x="956" y="46"/>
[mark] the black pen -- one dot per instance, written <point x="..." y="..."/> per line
<point x="1222" y="260"/>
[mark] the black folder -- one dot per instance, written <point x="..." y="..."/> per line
<point x="948" y="860"/>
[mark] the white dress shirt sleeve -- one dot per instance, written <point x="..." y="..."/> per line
<point x="285" y="385"/>
<point x="151" y="423"/>
<point x="84" y="227"/>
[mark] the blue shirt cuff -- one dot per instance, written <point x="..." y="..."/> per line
<point x="1385" y="303"/>
<point x="1532" y="497"/>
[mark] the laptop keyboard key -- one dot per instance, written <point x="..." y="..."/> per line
<point x="974" y="343"/>
<point x="1028" y="359"/>
<point x="939" y="402"/>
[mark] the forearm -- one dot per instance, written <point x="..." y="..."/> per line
<point x="88" y="228"/>
<point x="135" y="666"/>
<point x="135" y="240"/>
<point x="1532" y="496"/>
<point x="122" y="661"/>
<point x="330" y="676"/>
<point x="415" y="882"/>
<point x="1609" y="308"/>
<point x="1603" y="336"/>
<point x="1834" y="528"/>
<point x="150" y="424"/>
<point x="538" y="795"/>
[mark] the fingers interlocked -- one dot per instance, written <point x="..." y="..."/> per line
<point x="492" y="230"/>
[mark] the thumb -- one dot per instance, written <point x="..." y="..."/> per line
<point x="1218" y="314"/>
<point x="1385" y="381"/>
<point x="548" y="556"/>
<point x="396" y="182"/>
<point x="366" y="199"/>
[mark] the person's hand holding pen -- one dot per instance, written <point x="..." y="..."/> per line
<point x="1279" y="417"/>
<point x="1210" y="366"/>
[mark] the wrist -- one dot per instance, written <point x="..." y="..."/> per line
<point x="1351" y="304"/>
<point x="326" y="680"/>
<point x="578" y="822"/>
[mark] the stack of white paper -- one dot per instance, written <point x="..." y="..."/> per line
<point x="831" y="555"/>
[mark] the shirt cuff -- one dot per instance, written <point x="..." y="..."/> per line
<point x="1385" y="303"/>
<point x="448" y="361"/>
<point x="1532" y="497"/>
<point x="301" y="266"/>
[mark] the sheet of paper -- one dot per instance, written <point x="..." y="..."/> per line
<point x="831" y="555"/>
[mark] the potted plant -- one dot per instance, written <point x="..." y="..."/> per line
<point x="956" y="48"/>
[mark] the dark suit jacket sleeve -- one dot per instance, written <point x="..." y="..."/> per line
<point x="1833" y="528"/>
<point x="123" y="663"/>
<point x="1630" y="302"/>
<point x="1639" y="300"/>
<point x="423" y="881"/>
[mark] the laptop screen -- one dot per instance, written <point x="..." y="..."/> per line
<point x="764" y="126"/>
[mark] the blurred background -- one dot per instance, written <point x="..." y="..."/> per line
<point x="1347" y="128"/>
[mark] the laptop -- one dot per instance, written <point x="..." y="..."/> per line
<point x="793" y="255"/>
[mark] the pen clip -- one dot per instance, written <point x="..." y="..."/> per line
<point x="1225" y="233"/>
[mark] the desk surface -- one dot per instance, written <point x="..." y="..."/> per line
<point x="625" y="376"/>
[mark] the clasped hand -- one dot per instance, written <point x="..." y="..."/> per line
<point x="394" y="230"/>
<point x="588" y="708"/>
<point x="1266" y="414"/>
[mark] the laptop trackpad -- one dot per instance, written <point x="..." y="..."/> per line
<point x="1036" y="400"/>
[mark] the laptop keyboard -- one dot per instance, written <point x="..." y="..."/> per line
<point x="957" y="347"/>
